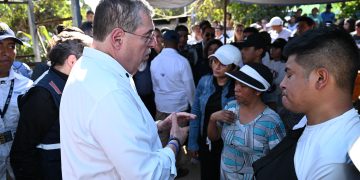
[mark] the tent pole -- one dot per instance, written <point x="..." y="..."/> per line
<point x="225" y="11"/>
<point x="75" y="11"/>
<point x="33" y="31"/>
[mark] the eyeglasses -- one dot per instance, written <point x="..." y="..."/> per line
<point x="148" y="39"/>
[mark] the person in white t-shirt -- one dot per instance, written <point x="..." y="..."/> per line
<point x="277" y="29"/>
<point x="319" y="81"/>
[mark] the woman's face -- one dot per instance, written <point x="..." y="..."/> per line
<point x="212" y="49"/>
<point x="239" y="30"/>
<point x="346" y="26"/>
<point x="275" y="53"/>
<point x="244" y="94"/>
<point x="218" y="68"/>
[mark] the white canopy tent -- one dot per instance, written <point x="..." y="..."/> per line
<point x="169" y="4"/>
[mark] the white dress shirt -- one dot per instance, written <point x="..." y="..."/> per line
<point x="322" y="145"/>
<point x="106" y="131"/>
<point x="173" y="82"/>
<point x="11" y="117"/>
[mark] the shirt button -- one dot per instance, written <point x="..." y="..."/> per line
<point x="127" y="75"/>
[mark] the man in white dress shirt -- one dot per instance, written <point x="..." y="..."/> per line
<point x="106" y="131"/>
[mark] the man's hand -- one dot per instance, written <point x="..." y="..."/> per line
<point x="180" y="132"/>
<point x="223" y="116"/>
<point x="181" y="117"/>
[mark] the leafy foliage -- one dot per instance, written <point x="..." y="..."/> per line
<point x="250" y="13"/>
<point x="243" y="13"/>
<point x="49" y="11"/>
<point x="350" y="9"/>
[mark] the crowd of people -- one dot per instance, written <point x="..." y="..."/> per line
<point x="122" y="99"/>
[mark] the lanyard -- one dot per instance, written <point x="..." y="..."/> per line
<point x="2" y="113"/>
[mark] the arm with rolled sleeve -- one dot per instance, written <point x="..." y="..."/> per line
<point x="188" y="80"/>
<point x="128" y="140"/>
<point x="195" y="124"/>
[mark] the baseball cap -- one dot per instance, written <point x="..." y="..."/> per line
<point x="254" y="40"/>
<point x="171" y="35"/>
<point x="6" y="33"/>
<point x="228" y="54"/>
<point x="275" y="21"/>
<point x="254" y="75"/>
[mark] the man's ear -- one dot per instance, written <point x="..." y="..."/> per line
<point x="259" y="51"/>
<point x="322" y="78"/>
<point x="117" y="36"/>
<point x="71" y="60"/>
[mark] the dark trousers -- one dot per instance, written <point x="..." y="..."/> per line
<point x="51" y="164"/>
<point x="210" y="160"/>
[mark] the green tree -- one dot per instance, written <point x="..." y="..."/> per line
<point x="243" y="13"/>
<point x="349" y="9"/>
<point x="250" y="13"/>
<point x="16" y="16"/>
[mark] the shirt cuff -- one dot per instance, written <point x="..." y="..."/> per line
<point x="170" y="153"/>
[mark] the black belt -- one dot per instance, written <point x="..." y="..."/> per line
<point x="5" y="137"/>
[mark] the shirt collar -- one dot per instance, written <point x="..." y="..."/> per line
<point x="109" y="61"/>
<point x="170" y="50"/>
<point x="60" y="74"/>
<point x="12" y="75"/>
<point x="346" y="115"/>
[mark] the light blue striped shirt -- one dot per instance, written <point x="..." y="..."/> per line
<point x="246" y="143"/>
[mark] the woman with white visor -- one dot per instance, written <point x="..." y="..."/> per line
<point x="248" y="128"/>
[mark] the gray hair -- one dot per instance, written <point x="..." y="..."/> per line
<point x="111" y="14"/>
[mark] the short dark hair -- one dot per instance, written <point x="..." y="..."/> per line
<point x="251" y="30"/>
<point x="111" y="14"/>
<point x="208" y="44"/>
<point x="351" y="22"/>
<point x="334" y="50"/>
<point x="181" y="28"/>
<point x="87" y="28"/>
<point x="280" y="43"/>
<point x="204" y="23"/>
<point x="59" y="28"/>
<point x="307" y="20"/>
<point x="61" y="51"/>
<point x="89" y="12"/>
<point x="267" y="39"/>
